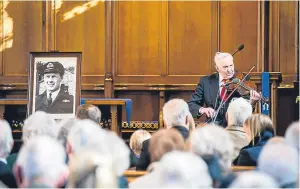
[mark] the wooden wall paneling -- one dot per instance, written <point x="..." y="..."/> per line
<point x="239" y="24"/>
<point x="1" y="36"/>
<point x="22" y="33"/>
<point x="283" y="55"/>
<point x="139" y="41"/>
<point x="80" y="27"/>
<point x="145" y="105"/>
<point x="288" y="40"/>
<point x="48" y="23"/>
<point x="274" y="36"/>
<point x="189" y="38"/>
<point x="108" y="80"/>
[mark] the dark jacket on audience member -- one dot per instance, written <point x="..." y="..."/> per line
<point x="249" y="154"/>
<point x="144" y="159"/>
<point x="6" y="176"/>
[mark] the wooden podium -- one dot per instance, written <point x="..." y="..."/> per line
<point x="115" y="110"/>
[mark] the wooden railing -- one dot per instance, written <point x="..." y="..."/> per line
<point x="132" y="175"/>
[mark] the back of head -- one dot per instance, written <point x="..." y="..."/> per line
<point x="136" y="140"/>
<point x="292" y="134"/>
<point x="213" y="140"/>
<point x="39" y="123"/>
<point x="280" y="161"/>
<point x="41" y="158"/>
<point x="89" y="169"/>
<point x="89" y="111"/>
<point x="164" y="141"/>
<point x="83" y="133"/>
<point x="109" y="144"/>
<point x="6" y="139"/>
<point x="252" y="179"/>
<point x="238" y="111"/>
<point x="64" y="129"/>
<point x="258" y="123"/>
<point x="182" y="169"/>
<point x="175" y="113"/>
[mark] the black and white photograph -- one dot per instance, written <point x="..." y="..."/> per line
<point x="55" y="84"/>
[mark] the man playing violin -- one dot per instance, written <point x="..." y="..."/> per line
<point x="211" y="91"/>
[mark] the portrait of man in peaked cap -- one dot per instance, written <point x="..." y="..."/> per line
<point x="54" y="83"/>
<point x="55" y="98"/>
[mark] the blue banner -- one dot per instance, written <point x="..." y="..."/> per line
<point x="265" y="87"/>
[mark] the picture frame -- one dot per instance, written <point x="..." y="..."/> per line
<point x="54" y="83"/>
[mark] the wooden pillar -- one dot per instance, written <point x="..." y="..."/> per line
<point x="274" y="99"/>
<point x="162" y="100"/>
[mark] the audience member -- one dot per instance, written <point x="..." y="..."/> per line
<point x="175" y="116"/>
<point x="280" y="161"/>
<point x="89" y="169"/>
<point x="259" y="129"/>
<point x="238" y="111"/>
<point x="162" y="142"/>
<point x="213" y="144"/>
<point x="89" y="111"/>
<point x="6" y="144"/>
<point x="292" y="134"/>
<point x="253" y="179"/>
<point x="86" y="134"/>
<point x="136" y="140"/>
<point x="176" y="170"/>
<point x="41" y="163"/>
<point x="64" y="128"/>
<point x="37" y="124"/>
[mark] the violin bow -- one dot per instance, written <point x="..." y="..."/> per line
<point x="231" y="93"/>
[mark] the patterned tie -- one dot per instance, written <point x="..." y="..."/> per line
<point x="223" y="94"/>
<point x="49" y="99"/>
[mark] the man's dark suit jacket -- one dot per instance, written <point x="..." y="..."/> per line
<point x="62" y="104"/>
<point x="6" y="176"/>
<point x="144" y="160"/>
<point x="207" y="92"/>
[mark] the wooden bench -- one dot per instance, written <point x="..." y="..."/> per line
<point x="132" y="174"/>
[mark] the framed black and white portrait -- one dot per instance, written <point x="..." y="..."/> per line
<point x="54" y="83"/>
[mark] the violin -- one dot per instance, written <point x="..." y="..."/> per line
<point x="242" y="87"/>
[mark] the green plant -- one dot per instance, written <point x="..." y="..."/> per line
<point x="297" y="99"/>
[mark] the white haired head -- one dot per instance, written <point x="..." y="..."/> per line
<point x="238" y="111"/>
<point x="182" y="169"/>
<point x="41" y="159"/>
<point x="252" y="179"/>
<point x="220" y="56"/>
<point x="112" y="145"/>
<point x="224" y="65"/>
<point x="64" y="128"/>
<point x="292" y="135"/>
<point x="86" y="134"/>
<point x="213" y="140"/>
<point x="89" y="169"/>
<point x="280" y="161"/>
<point x="39" y="123"/>
<point x="6" y="139"/>
<point x="175" y="113"/>
<point x="81" y="134"/>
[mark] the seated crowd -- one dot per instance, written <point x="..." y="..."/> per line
<point x="78" y="153"/>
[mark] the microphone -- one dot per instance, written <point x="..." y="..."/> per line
<point x="241" y="47"/>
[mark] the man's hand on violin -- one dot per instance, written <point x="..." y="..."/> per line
<point x="208" y="111"/>
<point x="254" y="97"/>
